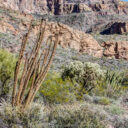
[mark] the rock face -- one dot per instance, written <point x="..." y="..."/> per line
<point x="71" y="38"/>
<point x="67" y="6"/>
<point x="85" y="15"/>
<point x="118" y="50"/>
<point x="82" y="15"/>
<point x="117" y="28"/>
<point x="56" y="7"/>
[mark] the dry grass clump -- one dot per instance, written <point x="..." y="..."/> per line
<point x="32" y="117"/>
<point x="37" y="115"/>
<point x="75" y="115"/>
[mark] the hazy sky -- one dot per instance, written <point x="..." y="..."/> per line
<point x="125" y="0"/>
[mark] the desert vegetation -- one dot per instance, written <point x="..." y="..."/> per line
<point x="81" y="94"/>
<point x="47" y="86"/>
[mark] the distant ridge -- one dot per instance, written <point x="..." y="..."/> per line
<point x="85" y="15"/>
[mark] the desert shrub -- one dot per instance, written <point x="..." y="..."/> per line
<point x="125" y="78"/>
<point x="85" y="74"/>
<point x="111" y="86"/>
<point x="120" y="122"/>
<point x="87" y="98"/>
<point x="55" y="90"/>
<point x="115" y="110"/>
<point x="14" y="117"/>
<point x="102" y="100"/>
<point x="75" y="116"/>
<point x="7" y="66"/>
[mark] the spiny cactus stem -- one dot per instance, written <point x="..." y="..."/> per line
<point x="34" y="62"/>
<point x="35" y="47"/>
<point x="22" y="81"/>
<point x="23" y="45"/>
<point x="43" y="75"/>
<point x="31" y="88"/>
<point x="44" y="61"/>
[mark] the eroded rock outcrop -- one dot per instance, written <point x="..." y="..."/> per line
<point x="118" y="50"/>
<point x="70" y="38"/>
<point x="67" y="6"/>
<point x="116" y="28"/>
<point x="106" y="7"/>
<point x="85" y="15"/>
<point x="4" y="26"/>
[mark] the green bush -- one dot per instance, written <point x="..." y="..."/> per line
<point x="7" y="67"/>
<point x="125" y="78"/>
<point x="55" y="90"/>
<point x="102" y="100"/>
<point x="85" y="74"/>
<point x="111" y="86"/>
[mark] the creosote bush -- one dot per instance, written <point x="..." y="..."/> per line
<point x="7" y="67"/>
<point x="102" y="100"/>
<point x="55" y="90"/>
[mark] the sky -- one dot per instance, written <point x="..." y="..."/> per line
<point x="125" y="0"/>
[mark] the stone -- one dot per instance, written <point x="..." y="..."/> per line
<point x="118" y="50"/>
<point x="5" y="27"/>
<point x="116" y="28"/>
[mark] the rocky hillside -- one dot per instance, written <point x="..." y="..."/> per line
<point x="13" y="25"/>
<point x="104" y="17"/>
<point x="92" y="53"/>
<point x="67" y="6"/>
<point x="85" y="15"/>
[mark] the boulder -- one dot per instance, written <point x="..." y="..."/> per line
<point x="6" y="27"/>
<point x="118" y="50"/>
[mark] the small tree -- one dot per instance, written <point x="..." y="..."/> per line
<point x="36" y="66"/>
